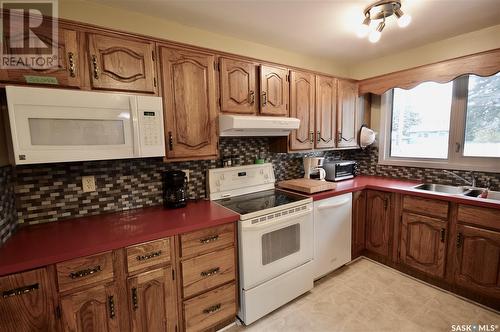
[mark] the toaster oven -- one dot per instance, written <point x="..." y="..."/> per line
<point x="338" y="170"/>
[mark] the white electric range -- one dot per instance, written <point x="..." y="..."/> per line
<point x="275" y="234"/>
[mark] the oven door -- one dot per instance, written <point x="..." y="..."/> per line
<point x="272" y="247"/>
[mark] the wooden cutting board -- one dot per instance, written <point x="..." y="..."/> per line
<point x="308" y="186"/>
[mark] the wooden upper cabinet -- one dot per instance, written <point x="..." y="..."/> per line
<point x="152" y="305"/>
<point x="121" y="64"/>
<point x="423" y="243"/>
<point x="27" y="302"/>
<point x="302" y="107"/>
<point x="346" y="114"/>
<point x="273" y="91"/>
<point x="67" y="68"/>
<point x="477" y="260"/>
<point x="378" y="222"/>
<point x="238" y="86"/>
<point x="94" y="309"/>
<point x="188" y="81"/>
<point x="326" y="112"/>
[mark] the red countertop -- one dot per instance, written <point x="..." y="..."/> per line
<point x="45" y="244"/>
<point x="400" y="186"/>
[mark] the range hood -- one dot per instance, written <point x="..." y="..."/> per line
<point x="247" y="125"/>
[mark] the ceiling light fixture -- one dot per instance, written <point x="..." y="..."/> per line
<point x="378" y="12"/>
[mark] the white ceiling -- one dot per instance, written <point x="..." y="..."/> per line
<point x="322" y="28"/>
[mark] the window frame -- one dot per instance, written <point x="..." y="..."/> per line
<point x="456" y="139"/>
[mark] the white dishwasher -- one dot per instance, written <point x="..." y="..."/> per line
<point x="332" y="233"/>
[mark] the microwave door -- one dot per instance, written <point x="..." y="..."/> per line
<point x="74" y="126"/>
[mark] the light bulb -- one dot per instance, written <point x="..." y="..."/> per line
<point x="363" y="31"/>
<point x="404" y="20"/>
<point x="374" y="36"/>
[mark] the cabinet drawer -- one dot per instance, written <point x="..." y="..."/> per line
<point x="84" y="271"/>
<point x="148" y="254"/>
<point x="426" y="206"/>
<point x="207" y="271"/>
<point x="479" y="216"/>
<point x="210" y="309"/>
<point x="208" y="239"/>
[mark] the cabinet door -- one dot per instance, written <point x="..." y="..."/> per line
<point x="27" y="302"/>
<point x="326" y="112"/>
<point x="238" y="84"/>
<point x="94" y="309"/>
<point x="66" y="70"/>
<point x="152" y="304"/>
<point x="189" y="103"/>
<point x="477" y="261"/>
<point x="302" y="107"/>
<point x="121" y="64"/>
<point x="358" y="222"/>
<point x="273" y="91"/>
<point x="346" y="114"/>
<point x="378" y="219"/>
<point x="423" y="243"/>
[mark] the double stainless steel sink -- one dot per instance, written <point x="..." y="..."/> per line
<point x="457" y="190"/>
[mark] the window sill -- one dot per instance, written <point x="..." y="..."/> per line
<point x="438" y="165"/>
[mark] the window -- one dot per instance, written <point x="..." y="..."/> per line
<point x="455" y="124"/>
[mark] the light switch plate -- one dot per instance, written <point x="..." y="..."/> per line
<point x="186" y="171"/>
<point x="88" y="183"/>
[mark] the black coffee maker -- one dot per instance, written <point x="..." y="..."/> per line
<point x="174" y="189"/>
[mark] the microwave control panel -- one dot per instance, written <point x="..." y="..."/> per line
<point x="151" y="128"/>
<point x="150" y="114"/>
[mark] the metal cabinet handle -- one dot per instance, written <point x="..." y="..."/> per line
<point x="170" y="141"/>
<point x="85" y="273"/>
<point x="386" y="203"/>
<point x="318" y="136"/>
<point x="96" y="67"/>
<point x="251" y="97"/>
<point x="264" y="98"/>
<point x="209" y="239"/>
<point x="212" y="309"/>
<point x="149" y="256"/>
<point x="210" y="272"/>
<point x="111" y="304"/>
<point x="135" y="300"/>
<point x="72" y="65"/>
<point x="443" y="234"/>
<point x="311" y="137"/>
<point x="459" y="240"/>
<point x="20" y="290"/>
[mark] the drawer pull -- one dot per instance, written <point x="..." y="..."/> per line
<point x="111" y="303"/>
<point x="72" y="66"/>
<point x="443" y="234"/>
<point x="85" y="273"/>
<point x="212" y="309"/>
<point x="210" y="272"/>
<point x="209" y="239"/>
<point x="96" y="67"/>
<point x="20" y="290"/>
<point x="459" y="240"/>
<point x="135" y="301"/>
<point x="149" y="256"/>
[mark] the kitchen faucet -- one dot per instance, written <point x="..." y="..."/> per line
<point x="472" y="183"/>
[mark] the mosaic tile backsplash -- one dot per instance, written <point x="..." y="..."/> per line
<point x="45" y="193"/>
<point x="8" y="217"/>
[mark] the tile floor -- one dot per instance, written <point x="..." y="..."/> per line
<point x="367" y="296"/>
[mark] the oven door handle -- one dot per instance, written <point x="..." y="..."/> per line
<point x="267" y="224"/>
<point x="329" y="206"/>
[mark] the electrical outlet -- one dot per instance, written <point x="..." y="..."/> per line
<point x="186" y="171"/>
<point x="88" y="183"/>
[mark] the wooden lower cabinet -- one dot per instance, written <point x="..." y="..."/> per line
<point x="477" y="260"/>
<point x="378" y="222"/>
<point x="151" y="301"/>
<point x="358" y="223"/>
<point x="93" y="309"/>
<point x="27" y="302"/>
<point x="423" y="243"/>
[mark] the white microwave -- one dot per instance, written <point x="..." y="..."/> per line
<point x="54" y="125"/>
